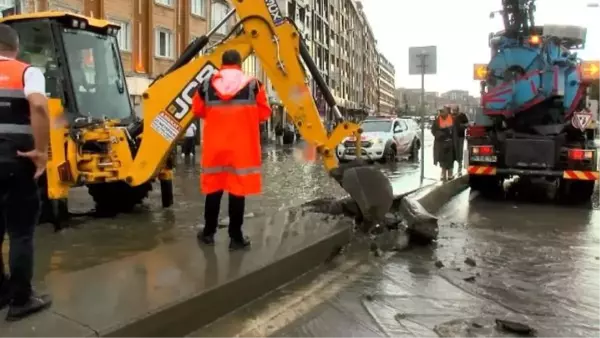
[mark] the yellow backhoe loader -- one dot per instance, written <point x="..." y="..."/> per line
<point x="97" y="141"/>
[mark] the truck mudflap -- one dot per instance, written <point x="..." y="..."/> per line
<point x="481" y="170"/>
<point x="581" y="175"/>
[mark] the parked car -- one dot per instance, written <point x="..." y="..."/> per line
<point x="384" y="140"/>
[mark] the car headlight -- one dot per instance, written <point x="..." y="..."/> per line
<point x="378" y="141"/>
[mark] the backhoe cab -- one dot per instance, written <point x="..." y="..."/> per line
<point x="90" y="110"/>
<point x="96" y="140"/>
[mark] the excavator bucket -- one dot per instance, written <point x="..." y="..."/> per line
<point x="369" y="188"/>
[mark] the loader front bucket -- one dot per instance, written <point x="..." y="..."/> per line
<point x="368" y="187"/>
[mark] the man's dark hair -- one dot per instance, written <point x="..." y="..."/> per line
<point x="9" y="39"/>
<point x="231" y="58"/>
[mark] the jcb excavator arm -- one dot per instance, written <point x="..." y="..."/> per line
<point x="277" y="44"/>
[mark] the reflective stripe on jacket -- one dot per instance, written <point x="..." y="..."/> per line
<point x="15" y="125"/>
<point x="231" y="150"/>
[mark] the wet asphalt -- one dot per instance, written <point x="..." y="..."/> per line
<point x="515" y="257"/>
<point x="288" y="180"/>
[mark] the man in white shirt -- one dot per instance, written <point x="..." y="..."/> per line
<point x="189" y="142"/>
<point x="24" y="139"/>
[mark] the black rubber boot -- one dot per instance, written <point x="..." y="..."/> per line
<point x="205" y="239"/>
<point x="35" y="304"/>
<point x="238" y="244"/>
<point x="5" y="295"/>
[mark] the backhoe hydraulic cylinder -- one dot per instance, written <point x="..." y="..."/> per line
<point x="316" y="74"/>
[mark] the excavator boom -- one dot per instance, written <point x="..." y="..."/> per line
<point x="97" y="140"/>
<point x="276" y="42"/>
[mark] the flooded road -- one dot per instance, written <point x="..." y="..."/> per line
<point x="533" y="263"/>
<point x="288" y="180"/>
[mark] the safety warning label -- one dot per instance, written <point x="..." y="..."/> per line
<point x="166" y="126"/>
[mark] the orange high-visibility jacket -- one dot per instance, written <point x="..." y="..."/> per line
<point x="232" y="106"/>
<point x="446" y="122"/>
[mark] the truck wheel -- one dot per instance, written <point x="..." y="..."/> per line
<point x="485" y="184"/>
<point x="116" y="197"/>
<point x="389" y="155"/>
<point x="575" y="192"/>
<point x="414" y="150"/>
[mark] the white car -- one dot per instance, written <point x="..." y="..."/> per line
<point x="383" y="139"/>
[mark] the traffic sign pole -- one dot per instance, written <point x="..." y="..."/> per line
<point x="422" y="61"/>
<point x="423" y="65"/>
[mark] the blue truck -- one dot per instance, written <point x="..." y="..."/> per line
<point x="534" y="120"/>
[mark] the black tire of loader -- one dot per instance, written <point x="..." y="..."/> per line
<point x="55" y="212"/>
<point x="117" y="197"/>
<point x="575" y="192"/>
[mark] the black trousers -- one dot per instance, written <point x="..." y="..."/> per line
<point x="20" y="207"/>
<point x="189" y="146"/>
<point x="212" y="206"/>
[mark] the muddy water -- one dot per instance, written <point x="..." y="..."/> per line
<point x="288" y="181"/>
<point x="534" y="263"/>
<point x="537" y="259"/>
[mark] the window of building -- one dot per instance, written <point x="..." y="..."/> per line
<point x="124" y="35"/>
<point x="165" y="2"/>
<point x="198" y="7"/>
<point x="217" y="14"/>
<point x="163" y="43"/>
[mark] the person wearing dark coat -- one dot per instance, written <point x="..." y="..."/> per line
<point x="445" y="143"/>
<point x="462" y="122"/>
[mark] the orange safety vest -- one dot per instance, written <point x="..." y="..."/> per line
<point x="231" y="149"/>
<point x="446" y="122"/>
<point x="15" y="126"/>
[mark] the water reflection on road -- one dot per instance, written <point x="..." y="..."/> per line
<point x="536" y="263"/>
<point x="288" y="179"/>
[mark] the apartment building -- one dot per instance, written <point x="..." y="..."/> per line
<point x="344" y="50"/>
<point x="153" y="32"/>
<point x="370" y="64"/>
<point x="386" y="87"/>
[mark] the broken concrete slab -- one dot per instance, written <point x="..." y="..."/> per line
<point x="422" y="226"/>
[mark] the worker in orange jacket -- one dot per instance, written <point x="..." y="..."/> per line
<point x="232" y="105"/>
<point x="24" y="138"/>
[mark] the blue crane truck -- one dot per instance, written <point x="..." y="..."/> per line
<point x="534" y="120"/>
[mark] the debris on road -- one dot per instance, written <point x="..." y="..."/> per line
<point x="470" y="279"/>
<point x="422" y="225"/>
<point x="470" y="262"/>
<point x="439" y="264"/>
<point x="515" y="327"/>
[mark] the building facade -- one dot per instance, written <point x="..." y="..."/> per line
<point x="153" y="32"/>
<point x="386" y="86"/>
<point x="344" y="49"/>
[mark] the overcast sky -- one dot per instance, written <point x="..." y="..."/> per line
<point x="460" y="30"/>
